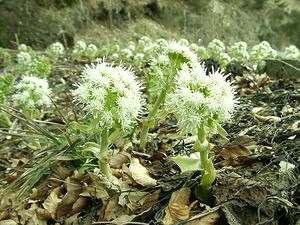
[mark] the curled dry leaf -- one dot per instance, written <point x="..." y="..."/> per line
<point x="151" y="199"/>
<point x="80" y="203"/>
<point x="112" y="209"/>
<point x="178" y="207"/>
<point x="140" y="174"/>
<point x="52" y="201"/>
<point x="233" y="151"/>
<point x="117" y="160"/>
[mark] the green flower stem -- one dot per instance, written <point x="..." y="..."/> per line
<point x="103" y="161"/>
<point x="104" y="142"/>
<point x="147" y="121"/>
<point x="202" y="146"/>
<point x="208" y="171"/>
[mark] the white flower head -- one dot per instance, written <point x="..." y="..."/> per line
<point x="184" y="42"/>
<point x="176" y="50"/>
<point x="24" y="58"/>
<point x="139" y="56"/>
<point x="127" y="53"/>
<point x="261" y="51"/>
<point x="224" y="59"/>
<point x="91" y="50"/>
<point x="239" y="52"/>
<point x="199" y="98"/>
<point x="216" y="47"/>
<point x="32" y="92"/>
<point x="56" y="49"/>
<point x="23" y="48"/>
<point x="291" y="52"/>
<point x="110" y="93"/>
<point x="144" y="41"/>
<point x="202" y="53"/>
<point x="80" y="45"/>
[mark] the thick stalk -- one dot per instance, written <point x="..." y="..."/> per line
<point x="146" y="122"/>
<point x="103" y="162"/>
<point x="203" y="149"/>
<point x="104" y="142"/>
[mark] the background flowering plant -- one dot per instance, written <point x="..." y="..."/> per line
<point x="32" y="94"/>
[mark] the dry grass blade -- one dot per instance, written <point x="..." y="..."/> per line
<point x="28" y="122"/>
<point x="33" y="175"/>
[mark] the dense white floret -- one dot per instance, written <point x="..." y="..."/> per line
<point x="32" y="92"/>
<point x="239" y="52"/>
<point x="110" y="93"/>
<point x="24" y="58"/>
<point x="199" y="98"/>
<point x="56" y="49"/>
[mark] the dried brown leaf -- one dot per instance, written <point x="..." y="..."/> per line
<point x="52" y="201"/>
<point x="80" y="203"/>
<point x="117" y="160"/>
<point x="44" y="214"/>
<point x="113" y="210"/>
<point x="233" y="151"/>
<point x="140" y="174"/>
<point x="66" y="204"/>
<point x="178" y="207"/>
<point x="176" y="212"/>
<point x="267" y="119"/>
<point x="151" y="199"/>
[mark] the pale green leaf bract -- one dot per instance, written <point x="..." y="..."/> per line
<point x="188" y="164"/>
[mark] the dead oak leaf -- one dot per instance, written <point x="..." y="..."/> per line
<point x="140" y="174"/>
<point x="178" y="207"/>
<point x="52" y="201"/>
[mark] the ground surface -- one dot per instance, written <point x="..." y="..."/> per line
<point x="253" y="185"/>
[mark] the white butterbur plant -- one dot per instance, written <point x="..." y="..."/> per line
<point x="161" y="79"/>
<point x="239" y="52"/>
<point x="24" y="59"/>
<point x="79" y="49"/>
<point x="291" y="52"/>
<point x="32" y="95"/>
<point x="260" y="52"/>
<point x="112" y="97"/>
<point x="55" y="50"/>
<point x="215" y="48"/>
<point x="91" y="51"/>
<point x="201" y="103"/>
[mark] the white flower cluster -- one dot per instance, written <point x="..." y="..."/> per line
<point x="56" y="49"/>
<point x="110" y="93"/>
<point x="32" y="92"/>
<point x="216" y="47"/>
<point x="200" y="98"/>
<point x="91" y="50"/>
<point x="183" y="51"/>
<point x="24" y="58"/>
<point x="23" y="48"/>
<point x="239" y="51"/>
<point x="261" y="51"/>
<point x="291" y="52"/>
<point x="163" y="67"/>
<point x="81" y="49"/>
